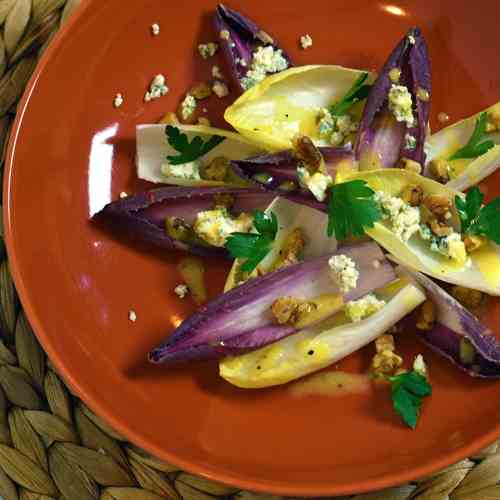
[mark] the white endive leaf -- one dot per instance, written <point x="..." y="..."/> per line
<point x="483" y="271"/>
<point x="271" y="113"/>
<point x="153" y="148"/>
<point x="290" y="215"/>
<point x="468" y="171"/>
<point x="315" y="348"/>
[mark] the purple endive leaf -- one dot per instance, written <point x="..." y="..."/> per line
<point x="142" y="216"/>
<point x="454" y="323"/>
<point x="275" y="169"/>
<point x="244" y="37"/>
<point x="241" y="318"/>
<point x="381" y="139"/>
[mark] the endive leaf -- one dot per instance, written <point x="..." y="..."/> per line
<point x="312" y="224"/>
<point x="465" y="172"/>
<point x="271" y="113"/>
<point x="315" y="348"/>
<point x="483" y="273"/>
<point x="153" y="149"/>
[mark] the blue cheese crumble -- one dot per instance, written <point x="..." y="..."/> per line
<point x="356" y="310"/>
<point x="419" y="366"/>
<point x="188" y="106"/>
<point x="207" y="50"/>
<point x="401" y="104"/>
<point x="450" y="246"/>
<point x="317" y="183"/>
<point x="306" y="41"/>
<point x="181" y="290"/>
<point x="402" y="217"/>
<point x="157" y="88"/>
<point x="410" y="141"/>
<point x="344" y="272"/>
<point x="214" y="226"/>
<point x="265" y="60"/>
<point x="189" y="170"/>
<point x="335" y="129"/>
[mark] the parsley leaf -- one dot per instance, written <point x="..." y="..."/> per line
<point x="407" y="392"/>
<point x="357" y="92"/>
<point x="351" y="208"/>
<point x="189" y="151"/>
<point x="474" y="146"/>
<point x="251" y="246"/>
<point x="476" y="218"/>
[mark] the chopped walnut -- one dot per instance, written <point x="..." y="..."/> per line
<point x="493" y="123"/>
<point x="291" y="250"/>
<point x="440" y="169"/>
<point x="385" y="343"/>
<point x="386" y="362"/>
<point x="178" y="229"/>
<point x="426" y="316"/>
<point x="410" y="165"/>
<point x="467" y="296"/>
<point x="423" y="94"/>
<point x="223" y="200"/>
<point x="440" y="228"/>
<point x="413" y="195"/>
<point x="438" y="205"/>
<point x="395" y="75"/>
<point x="220" y="89"/>
<point x="305" y="149"/>
<point x="473" y="242"/>
<point x="170" y="118"/>
<point x="200" y="90"/>
<point x="202" y="120"/>
<point x="290" y="310"/>
<point x="265" y="37"/>
<point x="216" y="170"/>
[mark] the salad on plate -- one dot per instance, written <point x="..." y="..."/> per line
<point x="346" y="220"/>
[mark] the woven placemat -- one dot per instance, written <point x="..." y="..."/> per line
<point x="51" y="444"/>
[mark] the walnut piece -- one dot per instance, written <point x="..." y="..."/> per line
<point x="413" y="195"/>
<point x="216" y="170"/>
<point x="426" y="316"/>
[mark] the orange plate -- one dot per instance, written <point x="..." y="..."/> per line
<point x="71" y="153"/>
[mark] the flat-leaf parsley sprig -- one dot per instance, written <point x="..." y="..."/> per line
<point x="351" y="208"/>
<point x="356" y="93"/>
<point x="254" y="246"/>
<point x="474" y="146"/>
<point x="407" y="392"/>
<point x="479" y="219"/>
<point x="189" y="151"/>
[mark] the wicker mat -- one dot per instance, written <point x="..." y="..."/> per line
<point x="51" y="444"/>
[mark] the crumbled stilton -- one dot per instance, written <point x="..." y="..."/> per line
<point x="188" y="106"/>
<point x="344" y="272"/>
<point x="306" y="41"/>
<point x="207" y="50"/>
<point x="157" y="88"/>
<point x="181" y="290"/>
<point x="118" y="101"/>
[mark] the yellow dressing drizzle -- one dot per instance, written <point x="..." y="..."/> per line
<point x="488" y="262"/>
<point x="332" y="383"/>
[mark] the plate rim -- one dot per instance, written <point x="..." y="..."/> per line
<point x="323" y="488"/>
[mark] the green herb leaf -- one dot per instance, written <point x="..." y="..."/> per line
<point x="407" y="392"/>
<point x="474" y="146"/>
<point x="189" y="151"/>
<point x="468" y="209"/>
<point x="351" y="208"/>
<point x="251" y="246"/>
<point x="478" y="219"/>
<point x="357" y="92"/>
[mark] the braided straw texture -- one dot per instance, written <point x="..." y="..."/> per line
<point x="51" y="444"/>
